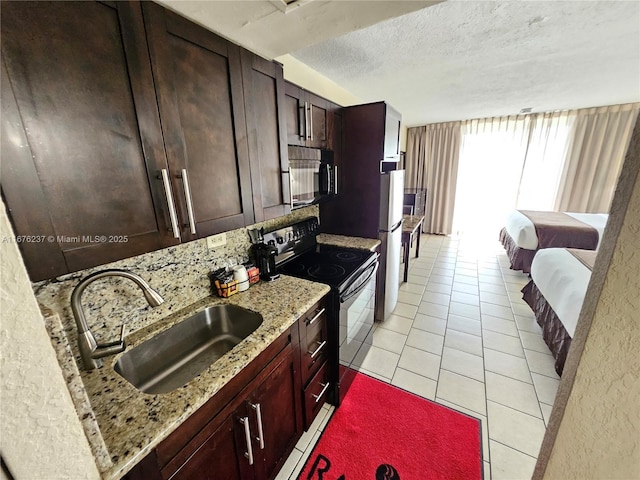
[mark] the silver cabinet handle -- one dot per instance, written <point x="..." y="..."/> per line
<point x="310" y="121"/>
<point x="290" y="188"/>
<point x="247" y="436"/>
<point x="260" y="436"/>
<point x="187" y="194"/>
<point x="306" y="120"/>
<point x="324" y="389"/>
<point x="317" y="350"/>
<point x="335" y="179"/>
<point x="302" y="118"/>
<point x="315" y="318"/>
<point x="172" y="206"/>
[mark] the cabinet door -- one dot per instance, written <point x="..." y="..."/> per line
<point x="391" y="132"/>
<point x="295" y="116"/>
<point x="82" y="145"/>
<point x="264" y="107"/>
<point x="334" y="141"/>
<point x="199" y="86"/>
<point x="277" y="399"/>
<point x="307" y="117"/>
<point x="221" y="456"/>
<point x="318" y="115"/>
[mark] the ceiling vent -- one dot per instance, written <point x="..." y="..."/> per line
<point x="526" y="110"/>
<point x="287" y="6"/>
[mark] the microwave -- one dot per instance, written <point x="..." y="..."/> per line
<point x="312" y="174"/>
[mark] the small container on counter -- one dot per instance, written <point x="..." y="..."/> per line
<point x="241" y="276"/>
<point x="226" y="282"/>
<point x="253" y="273"/>
<point x="223" y="283"/>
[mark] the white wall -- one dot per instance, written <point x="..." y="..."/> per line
<point x="40" y="434"/>
<point x="297" y="72"/>
<point x="599" y="435"/>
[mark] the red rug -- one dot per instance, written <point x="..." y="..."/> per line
<point x="381" y="432"/>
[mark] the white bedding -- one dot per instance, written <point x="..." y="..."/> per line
<point x="523" y="232"/>
<point x="562" y="279"/>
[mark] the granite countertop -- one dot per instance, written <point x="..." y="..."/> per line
<point x="132" y="423"/>
<point x="348" y="242"/>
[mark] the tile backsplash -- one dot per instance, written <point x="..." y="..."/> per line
<point x="179" y="274"/>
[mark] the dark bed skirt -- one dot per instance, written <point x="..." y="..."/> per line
<point x="520" y="258"/>
<point x="553" y="332"/>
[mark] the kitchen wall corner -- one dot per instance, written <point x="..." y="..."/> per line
<point x="40" y="434"/>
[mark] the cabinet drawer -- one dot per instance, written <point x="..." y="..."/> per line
<point x="315" y="395"/>
<point x="317" y="315"/>
<point x="315" y="349"/>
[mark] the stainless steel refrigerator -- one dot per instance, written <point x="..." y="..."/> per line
<point x="390" y="235"/>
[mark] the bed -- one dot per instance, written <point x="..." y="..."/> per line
<point x="559" y="280"/>
<point x="527" y="231"/>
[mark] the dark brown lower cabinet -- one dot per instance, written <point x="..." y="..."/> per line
<point x="315" y="360"/>
<point x="249" y="428"/>
<point x="251" y="441"/>
<point x="220" y="456"/>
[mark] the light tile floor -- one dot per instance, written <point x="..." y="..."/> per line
<point x="462" y="336"/>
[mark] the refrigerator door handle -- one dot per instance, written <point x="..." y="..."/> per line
<point x="394" y="228"/>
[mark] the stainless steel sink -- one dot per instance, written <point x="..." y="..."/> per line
<point x="174" y="357"/>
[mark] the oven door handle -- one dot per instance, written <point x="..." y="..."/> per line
<point x="374" y="269"/>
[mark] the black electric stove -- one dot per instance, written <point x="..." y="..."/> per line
<point x="328" y="264"/>
<point x="351" y="274"/>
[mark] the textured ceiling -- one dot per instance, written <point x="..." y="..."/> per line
<point x="271" y="28"/>
<point x="471" y="59"/>
<point x="453" y="60"/>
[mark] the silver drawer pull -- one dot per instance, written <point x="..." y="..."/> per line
<point x="315" y="318"/>
<point x="260" y="436"/>
<point x="324" y="389"/>
<point x="247" y="436"/>
<point x="170" y="204"/>
<point x="317" y="350"/>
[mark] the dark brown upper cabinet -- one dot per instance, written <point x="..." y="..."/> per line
<point x="264" y="104"/>
<point x="392" y="122"/>
<point x="82" y="145"/>
<point x="198" y="79"/>
<point x="127" y="128"/>
<point x="370" y="145"/>
<point x="307" y="117"/>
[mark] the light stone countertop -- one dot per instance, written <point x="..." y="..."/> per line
<point x="348" y="242"/>
<point x="132" y="423"/>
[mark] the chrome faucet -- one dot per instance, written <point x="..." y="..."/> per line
<point x="90" y="351"/>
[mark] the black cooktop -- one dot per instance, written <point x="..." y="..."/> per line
<point x="327" y="264"/>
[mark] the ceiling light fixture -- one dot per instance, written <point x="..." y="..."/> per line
<point x="287" y="6"/>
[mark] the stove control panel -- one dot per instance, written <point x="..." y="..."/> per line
<point x="294" y="238"/>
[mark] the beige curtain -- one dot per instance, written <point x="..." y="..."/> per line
<point x="432" y="163"/>
<point x="594" y="158"/>
<point x="415" y="175"/>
